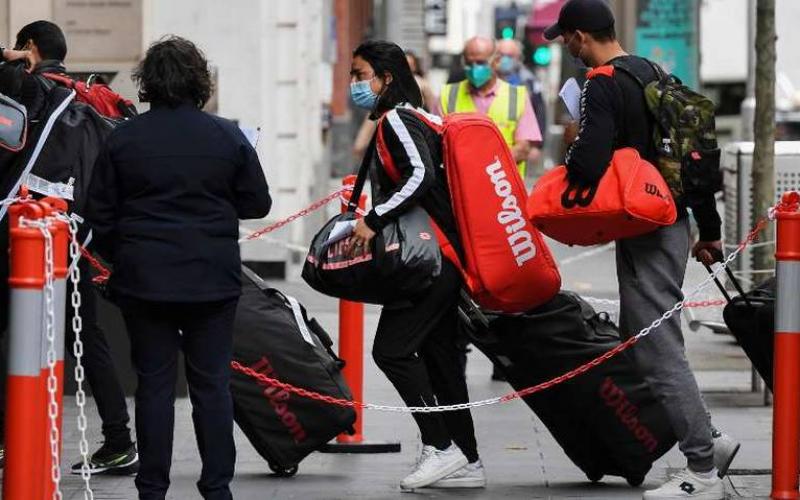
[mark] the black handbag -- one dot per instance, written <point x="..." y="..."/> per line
<point x="401" y="261"/>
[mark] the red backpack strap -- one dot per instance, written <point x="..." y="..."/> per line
<point x="433" y="121"/>
<point x="62" y="79"/>
<point x="607" y="70"/>
<point x="383" y="153"/>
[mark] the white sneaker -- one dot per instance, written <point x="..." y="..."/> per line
<point x="433" y="466"/>
<point x="470" y="476"/>
<point x="725" y="450"/>
<point x="687" y="484"/>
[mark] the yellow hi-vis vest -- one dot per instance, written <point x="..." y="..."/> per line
<point x="505" y="111"/>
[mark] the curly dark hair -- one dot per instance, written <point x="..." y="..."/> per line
<point x="174" y="72"/>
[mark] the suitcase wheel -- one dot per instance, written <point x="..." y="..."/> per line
<point x="595" y="477"/>
<point x="635" y="481"/>
<point x="284" y="471"/>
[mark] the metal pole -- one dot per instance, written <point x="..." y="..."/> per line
<point x="786" y="410"/>
<point x="25" y="475"/>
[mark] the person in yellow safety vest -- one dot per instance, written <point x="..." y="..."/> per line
<point x="509" y="106"/>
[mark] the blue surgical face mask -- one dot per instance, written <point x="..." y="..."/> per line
<point x="478" y="74"/>
<point x="507" y="65"/>
<point x="362" y="95"/>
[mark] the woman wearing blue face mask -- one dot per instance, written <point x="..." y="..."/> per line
<point x="415" y="345"/>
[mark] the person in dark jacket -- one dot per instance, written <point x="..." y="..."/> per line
<point x="165" y="200"/>
<point x="41" y="47"/>
<point x="650" y="267"/>
<point x="416" y="345"/>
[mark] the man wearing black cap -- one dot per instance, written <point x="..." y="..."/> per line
<point x="651" y="267"/>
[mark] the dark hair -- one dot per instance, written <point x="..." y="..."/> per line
<point x="604" y="35"/>
<point x="388" y="57"/>
<point x="47" y="36"/>
<point x="417" y="62"/>
<point x="174" y="72"/>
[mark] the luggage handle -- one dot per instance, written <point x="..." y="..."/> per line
<point x="718" y="256"/>
<point x="307" y="326"/>
<point x="300" y="317"/>
<point x="583" y="195"/>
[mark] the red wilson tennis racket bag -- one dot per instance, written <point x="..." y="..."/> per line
<point x="507" y="266"/>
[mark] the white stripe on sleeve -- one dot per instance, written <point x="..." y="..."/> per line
<point x="413" y="154"/>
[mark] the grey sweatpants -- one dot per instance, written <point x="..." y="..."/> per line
<point x="650" y="270"/>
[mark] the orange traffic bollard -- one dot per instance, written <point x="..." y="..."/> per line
<point x="351" y="349"/>
<point x="60" y="232"/>
<point x="786" y="410"/>
<point x="351" y="343"/>
<point x="25" y="476"/>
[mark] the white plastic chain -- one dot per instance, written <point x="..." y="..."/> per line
<point x="50" y="333"/>
<point x="642" y="333"/>
<point x="77" y="349"/>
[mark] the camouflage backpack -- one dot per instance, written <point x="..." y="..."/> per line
<point x="684" y="133"/>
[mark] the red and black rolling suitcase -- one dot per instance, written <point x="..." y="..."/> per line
<point x="274" y="336"/>
<point x="607" y="420"/>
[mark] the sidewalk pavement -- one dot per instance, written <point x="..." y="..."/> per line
<point x="522" y="460"/>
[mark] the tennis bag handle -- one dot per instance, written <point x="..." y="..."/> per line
<point x="720" y="257"/>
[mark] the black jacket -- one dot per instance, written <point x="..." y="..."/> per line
<point x="416" y="151"/>
<point x="614" y="114"/>
<point x="165" y="200"/>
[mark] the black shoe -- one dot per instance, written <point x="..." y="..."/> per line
<point x="112" y="461"/>
<point x="2" y="456"/>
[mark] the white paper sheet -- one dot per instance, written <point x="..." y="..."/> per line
<point x="570" y="93"/>
<point x="341" y="230"/>
<point x="252" y="134"/>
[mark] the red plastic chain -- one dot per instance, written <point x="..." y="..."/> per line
<point x="706" y="303"/>
<point x="105" y="273"/>
<point x="236" y="366"/>
<point x="790" y="202"/>
<point x="302" y="213"/>
<point x="292" y="389"/>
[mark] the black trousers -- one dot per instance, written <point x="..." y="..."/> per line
<point x="204" y="332"/>
<point x="417" y="349"/>
<point x="98" y="365"/>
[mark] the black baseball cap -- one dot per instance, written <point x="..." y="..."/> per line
<point x="584" y="15"/>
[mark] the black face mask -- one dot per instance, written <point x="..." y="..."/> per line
<point x="577" y="60"/>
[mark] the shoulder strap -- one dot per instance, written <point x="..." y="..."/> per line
<point x="628" y="70"/>
<point x="513" y="97"/>
<point x="256" y="279"/>
<point x="607" y="70"/>
<point x="361" y="179"/>
<point x="452" y="96"/>
<point x="62" y="79"/>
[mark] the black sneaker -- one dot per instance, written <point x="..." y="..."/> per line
<point x="114" y="462"/>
